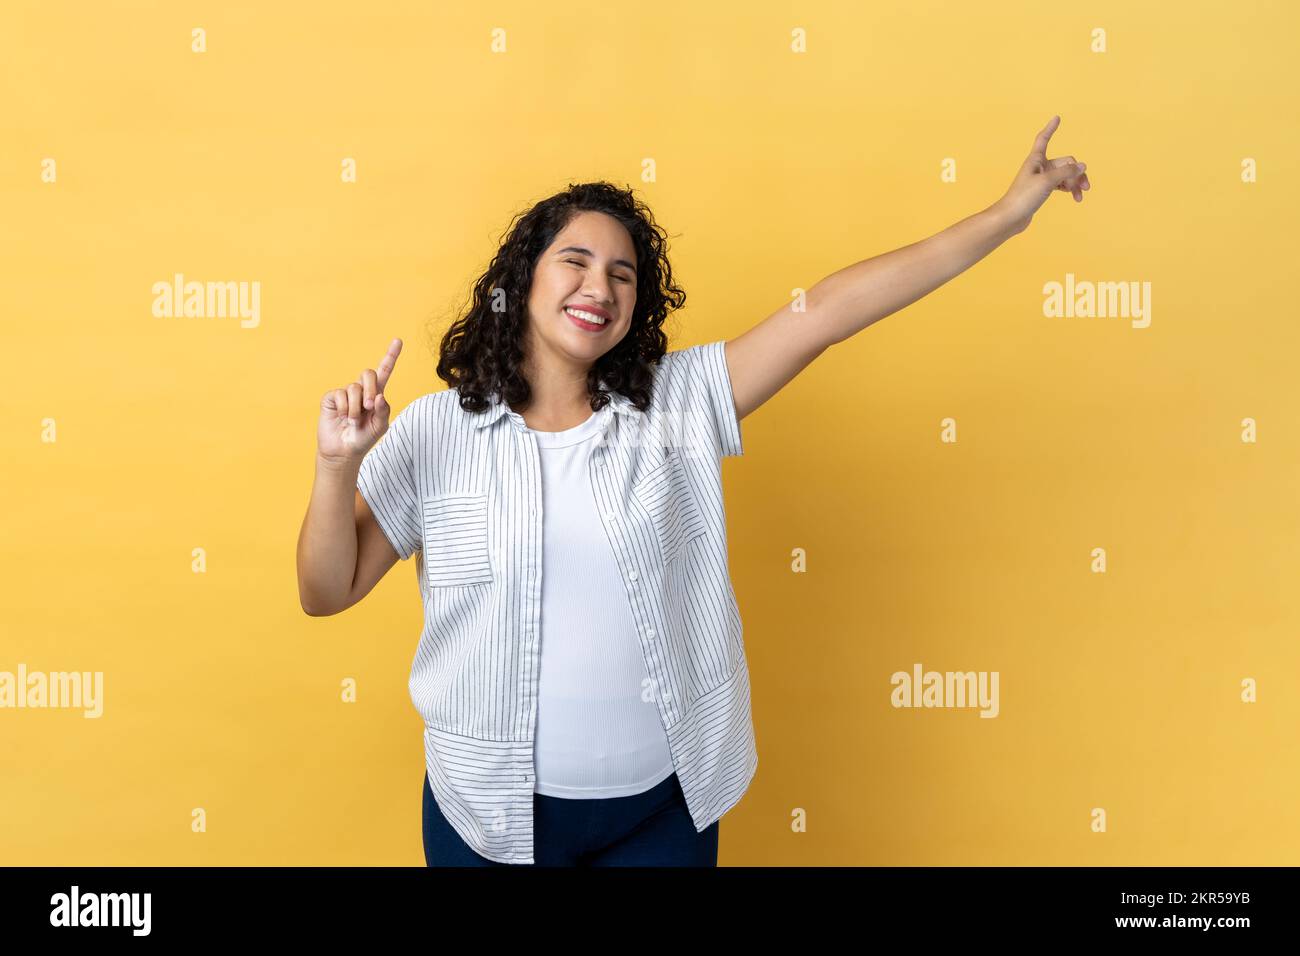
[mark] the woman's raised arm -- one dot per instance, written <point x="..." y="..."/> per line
<point x="762" y="360"/>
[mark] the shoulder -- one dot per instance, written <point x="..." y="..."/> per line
<point x="691" y="358"/>
<point x="432" y="404"/>
<point x="426" y="415"/>
<point x="440" y="414"/>
<point x="688" y="371"/>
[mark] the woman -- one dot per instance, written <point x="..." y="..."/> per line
<point x="581" y="671"/>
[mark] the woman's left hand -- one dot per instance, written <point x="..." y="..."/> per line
<point x="1038" y="178"/>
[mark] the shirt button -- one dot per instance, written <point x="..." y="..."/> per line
<point x="632" y="576"/>
<point x="651" y="633"/>
<point x="609" y="516"/>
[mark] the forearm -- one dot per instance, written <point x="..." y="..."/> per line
<point x="853" y="298"/>
<point x="327" y="543"/>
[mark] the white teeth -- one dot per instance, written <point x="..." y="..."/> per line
<point x="586" y="316"/>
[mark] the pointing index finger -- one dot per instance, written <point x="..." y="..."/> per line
<point x="386" y="364"/>
<point x="1040" y="143"/>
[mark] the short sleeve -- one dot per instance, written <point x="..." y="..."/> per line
<point x="710" y="385"/>
<point x="387" y="481"/>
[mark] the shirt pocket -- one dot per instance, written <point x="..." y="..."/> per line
<point x="665" y="493"/>
<point x="456" y="550"/>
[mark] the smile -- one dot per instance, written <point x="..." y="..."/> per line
<point x="587" y="321"/>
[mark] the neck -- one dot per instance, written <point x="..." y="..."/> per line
<point x="559" y="397"/>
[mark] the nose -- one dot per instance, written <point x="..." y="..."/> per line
<point x="599" y="293"/>
<point x="598" y="288"/>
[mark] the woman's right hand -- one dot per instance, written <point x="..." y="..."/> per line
<point x="352" y="419"/>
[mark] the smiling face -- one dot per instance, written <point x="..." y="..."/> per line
<point x="590" y="267"/>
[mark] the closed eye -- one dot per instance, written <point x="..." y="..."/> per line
<point x="579" y="262"/>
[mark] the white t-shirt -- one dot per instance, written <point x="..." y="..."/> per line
<point x="598" y="732"/>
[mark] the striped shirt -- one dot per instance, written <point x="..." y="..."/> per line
<point x="464" y="491"/>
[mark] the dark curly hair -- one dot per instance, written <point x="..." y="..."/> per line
<point x="483" y="351"/>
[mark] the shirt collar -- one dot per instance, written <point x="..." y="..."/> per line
<point x="497" y="408"/>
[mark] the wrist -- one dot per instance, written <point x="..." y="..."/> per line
<point x="343" y="466"/>
<point x="1004" y="221"/>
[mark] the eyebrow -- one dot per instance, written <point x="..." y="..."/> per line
<point x="588" y="252"/>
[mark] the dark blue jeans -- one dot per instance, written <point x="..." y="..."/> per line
<point x="653" y="828"/>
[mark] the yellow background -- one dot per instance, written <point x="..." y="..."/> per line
<point x="1118" y="690"/>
